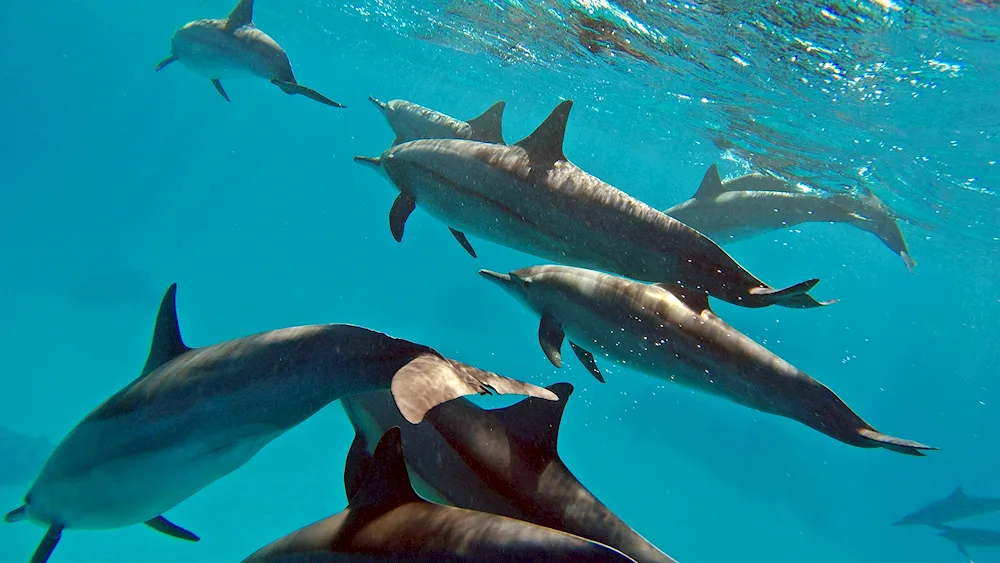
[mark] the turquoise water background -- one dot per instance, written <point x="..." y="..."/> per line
<point x="116" y="181"/>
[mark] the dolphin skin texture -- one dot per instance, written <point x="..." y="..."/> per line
<point x="195" y="415"/>
<point x="503" y="461"/>
<point x="670" y="332"/>
<point x="386" y="521"/>
<point x="529" y="197"/>
<point x="233" y="48"/>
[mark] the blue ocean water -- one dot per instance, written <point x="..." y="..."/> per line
<point x="116" y="181"/>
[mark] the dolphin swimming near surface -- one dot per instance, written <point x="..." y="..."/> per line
<point x="410" y="121"/>
<point x="234" y="47"/>
<point x="529" y="197"/>
<point x="386" y="521"/>
<point x="963" y="538"/>
<point x="956" y="506"/>
<point x="195" y="415"/>
<point x="754" y="204"/>
<point x="503" y="461"/>
<point x="671" y="332"/>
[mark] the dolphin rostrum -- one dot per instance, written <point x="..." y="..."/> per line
<point x="234" y="47"/>
<point x="410" y="121"/>
<point x="956" y="506"/>
<point x="754" y="204"/>
<point x="670" y="332"/>
<point x="965" y="537"/>
<point x="528" y="197"/>
<point x="195" y="415"/>
<point x="503" y="461"/>
<point x="387" y="521"/>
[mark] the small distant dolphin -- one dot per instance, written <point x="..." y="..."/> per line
<point x="754" y="204"/>
<point x="386" y="521"/>
<point x="965" y="537"/>
<point x="232" y="48"/>
<point x="195" y="415"/>
<point x="528" y="197"/>
<point x="410" y="121"/>
<point x="956" y="506"/>
<point x="21" y="456"/>
<point x="671" y="333"/>
<point x="503" y="461"/>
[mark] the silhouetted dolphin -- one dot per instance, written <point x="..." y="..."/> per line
<point x="956" y="506"/>
<point x="387" y="521"/>
<point x="234" y="47"/>
<point x="754" y="204"/>
<point x="197" y="414"/>
<point x="411" y="121"/>
<point x="530" y="198"/>
<point x="965" y="537"/>
<point x="504" y="461"/>
<point x="671" y="333"/>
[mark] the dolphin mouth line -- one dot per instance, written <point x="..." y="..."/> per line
<point x="495" y="276"/>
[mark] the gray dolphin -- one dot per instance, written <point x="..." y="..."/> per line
<point x="386" y="520"/>
<point x="963" y="538"/>
<point x="503" y="461"/>
<point x="528" y="197"/>
<point x="671" y="333"/>
<point x="956" y="506"/>
<point x="754" y="204"/>
<point x="197" y="414"/>
<point x="410" y="121"/>
<point x="234" y="47"/>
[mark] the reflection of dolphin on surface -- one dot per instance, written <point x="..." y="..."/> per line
<point x="956" y="506"/>
<point x="503" y="461"/>
<point x="410" y="121"/>
<point x="754" y="204"/>
<point x="21" y="456"/>
<point x="963" y="538"/>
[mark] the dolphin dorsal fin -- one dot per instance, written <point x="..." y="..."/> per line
<point x="488" y="127"/>
<point x="387" y="483"/>
<point x="711" y="185"/>
<point x="958" y="492"/>
<point x="167" y="343"/>
<point x="695" y="299"/>
<point x="241" y="15"/>
<point x="535" y="422"/>
<point x="545" y="144"/>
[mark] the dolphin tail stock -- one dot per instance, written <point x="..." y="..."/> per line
<point x="794" y="297"/>
<point x="165" y="62"/>
<point x="293" y="88"/>
<point x="431" y="379"/>
<point x="877" y="439"/>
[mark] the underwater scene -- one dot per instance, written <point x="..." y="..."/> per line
<point x="500" y="281"/>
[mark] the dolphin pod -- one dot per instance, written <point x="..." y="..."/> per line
<point x="387" y="521"/>
<point x="754" y="204"/>
<point x="233" y="47"/>
<point x="671" y="333"/>
<point x="503" y="461"/>
<point x="195" y="415"/>
<point x="410" y="121"/>
<point x="529" y="197"/>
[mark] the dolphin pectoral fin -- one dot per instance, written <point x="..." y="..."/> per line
<point x="400" y="212"/>
<point x="460" y="237"/>
<point x="295" y="88"/>
<point x="899" y="445"/>
<point x="16" y="515"/>
<point x="488" y="127"/>
<point x="218" y="86"/>
<point x="550" y="336"/>
<point x="356" y="466"/>
<point x="165" y="62"/>
<point x="587" y="359"/>
<point x="48" y="544"/>
<point x="429" y="380"/>
<point x="164" y="526"/>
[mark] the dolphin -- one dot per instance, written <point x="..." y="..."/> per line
<point x="234" y="47"/>
<point x="528" y="197"/>
<point x="386" y="520"/>
<point x="956" y="506"/>
<point x="670" y="332"/>
<point x="503" y="461"/>
<point x="754" y="204"/>
<point x="965" y="537"/>
<point x="411" y="121"/>
<point x="195" y="415"/>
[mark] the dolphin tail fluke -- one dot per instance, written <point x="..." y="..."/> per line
<point x="48" y="544"/>
<point x="165" y="62"/>
<point x="899" y="445"/>
<point x="164" y="526"/>
<point x="294" y="88"/>
<point x="794" y="297"/>
<point x="908" y="260"/>
<point x="429" y="380"/>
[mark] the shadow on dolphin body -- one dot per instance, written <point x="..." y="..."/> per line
<point x="195" y="415"/>
<point x="410" y="121"/>
<point x="234" y="47"/>
<point x="387" y="521"/>
<point x="671" y="333"/>
<point x="530" y="198"/>
<point x="503" y="461"/>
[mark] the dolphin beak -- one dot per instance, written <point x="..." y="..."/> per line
<point x="380" y="104"/>
<point x="369" y="161"/>
<point x="503" y="280"/>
